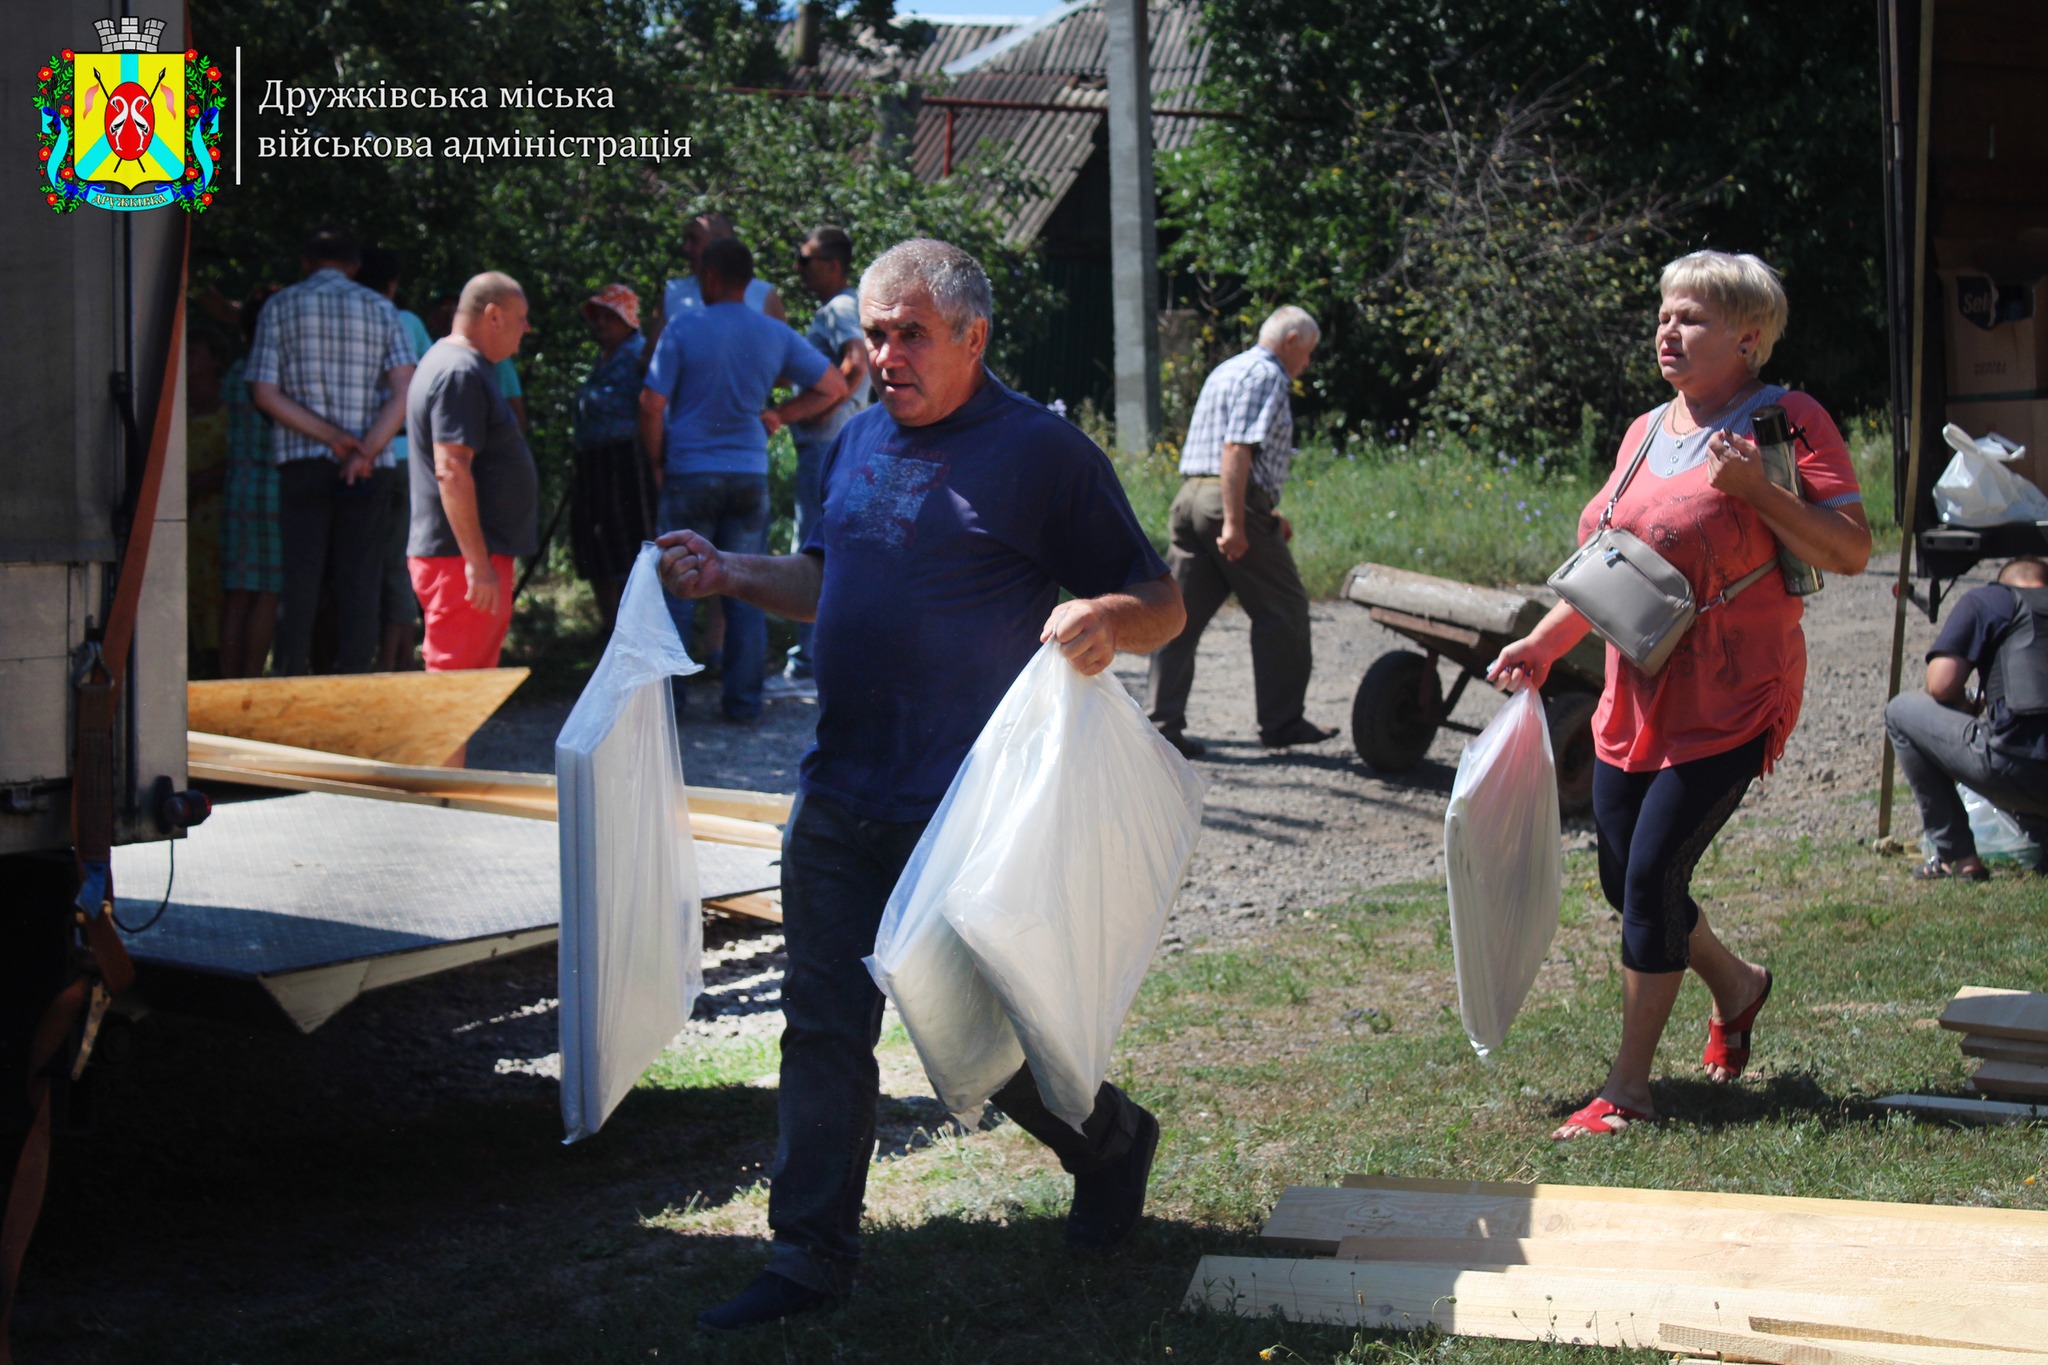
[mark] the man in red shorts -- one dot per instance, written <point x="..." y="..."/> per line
<point x="475" y="501"/>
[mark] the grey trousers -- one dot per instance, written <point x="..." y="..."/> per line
<point x="333" y="535"/>
<point x="1267" y="587"/>
<point x="1939" y="747"/>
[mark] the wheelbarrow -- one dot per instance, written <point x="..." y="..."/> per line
<point x="1401" y="703"/>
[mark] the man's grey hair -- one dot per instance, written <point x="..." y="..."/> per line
<point x="493" y="286"/>
<point x="957" y="284"/>
<point x="1288" y="321"/>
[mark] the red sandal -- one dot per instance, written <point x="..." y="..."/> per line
<point x="1601" y="1118"/>
<point x="1728" y="1043"/>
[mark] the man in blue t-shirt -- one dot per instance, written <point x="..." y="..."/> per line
<point x="705" y="424"/>
<point x="1997" y="747"/>
<point x="955" y="511"/>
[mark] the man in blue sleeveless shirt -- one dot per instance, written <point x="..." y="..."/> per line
<point x="955" y="511"/>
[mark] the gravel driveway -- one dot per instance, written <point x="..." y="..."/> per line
<point x="1309" y="826"/>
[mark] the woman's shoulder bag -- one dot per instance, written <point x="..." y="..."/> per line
<point x="1633" y="596"/>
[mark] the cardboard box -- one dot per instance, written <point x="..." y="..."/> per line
<point x="1997" y="334"/>
<point x="2023" y="422"/>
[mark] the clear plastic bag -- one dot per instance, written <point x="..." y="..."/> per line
<point x="632" y="931"/>
<point x="1026" y="919"/>
<point x="1503" y="866"/>
<point x="1998" y="836"/>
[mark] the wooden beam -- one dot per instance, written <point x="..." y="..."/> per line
<point x="225" y="759"/>
<point x="1764" y="1203"/>
<point x="1577" y="1310"/>
<point x="399" y="717"/>
<point x="1951" y="1109"/>
<point x="1317" y="1219"/>
<point x="1998" y="1013"/>
<point x="1880" y="1336"/>
<point x="1731" y="1262"/>
<point x="2005" y="1050"/>
<point x="2011" y="1078"/>
<point x="1765" y="1349"/>
<point x="761" y="905"/>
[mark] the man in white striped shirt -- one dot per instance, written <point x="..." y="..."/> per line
<point x="1228" y="537"/>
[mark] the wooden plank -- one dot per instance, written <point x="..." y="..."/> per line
<point x="1998" y="1013"/>
<point x="399" y="717"/>
<point x="224" y="752"/>
<point x="525" y="803"/>
<point x="2011" y="1078"/>
<point x="761" y="905"/>
<point x="1308" y="1219"/>
<point x="2005" y="1050"/>
<point x="1730" y="1261"/>
<point x="1950" y="1109"/>
<point x="1765" y="1349"/>
<point x="1878" y="1336"/>
<point x="1515" y="1209"/>
<point x="1578" y="1310"/>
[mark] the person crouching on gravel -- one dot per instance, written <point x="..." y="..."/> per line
<point x="1676" y="752"/>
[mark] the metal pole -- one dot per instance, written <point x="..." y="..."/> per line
<point x="1917" y="311"/>
<point x="1133" y="240"/>
<point x="947" y="168"/>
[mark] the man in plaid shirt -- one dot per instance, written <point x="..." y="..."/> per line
<point x="329" y="365"/>
<point x="1227" y="537"/>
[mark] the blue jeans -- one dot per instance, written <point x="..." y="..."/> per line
<point x="810" y="507"/>
<point x="730" y="511"/>
<point x="837" y="872"/>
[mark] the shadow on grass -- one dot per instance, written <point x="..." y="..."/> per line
<point x="1783" y="1097"/>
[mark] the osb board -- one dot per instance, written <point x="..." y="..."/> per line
<point x="412" y="718"/>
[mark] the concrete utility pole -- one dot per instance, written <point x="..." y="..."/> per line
<point x="1133" y="240"/>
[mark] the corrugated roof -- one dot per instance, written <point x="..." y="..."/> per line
<point x="1064" y="63"/>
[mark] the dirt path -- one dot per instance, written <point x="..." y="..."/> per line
<point x="1310" y="826"/>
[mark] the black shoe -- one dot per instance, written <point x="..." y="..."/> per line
<point x="1298" y="731"/>
<point x="1107" y="1202"/>
<point x="1189" y="748"/>
<point x="770" y="1298"/>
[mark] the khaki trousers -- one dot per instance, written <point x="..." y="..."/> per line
<point x="1266" y="586"/>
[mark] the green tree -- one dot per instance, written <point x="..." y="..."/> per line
<point x="1735" y="125"/>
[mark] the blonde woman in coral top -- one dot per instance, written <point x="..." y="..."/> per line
<point x="1677" y="751"/>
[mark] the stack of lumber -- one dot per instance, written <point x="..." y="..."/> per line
<point x="717" y="815"/>
<point x="2007" y="1032"/>
<point x="1727" y="1276"/>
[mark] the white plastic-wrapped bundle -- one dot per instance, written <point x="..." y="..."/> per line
<point x="632" y="931"/>
<point x="1503" y="867"/>
<point x="1053" y="860"/>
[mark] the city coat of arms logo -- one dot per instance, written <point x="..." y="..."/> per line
<point x="129" y="127"/>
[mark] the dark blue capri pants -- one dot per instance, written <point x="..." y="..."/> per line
<point x="1653" y="829"/>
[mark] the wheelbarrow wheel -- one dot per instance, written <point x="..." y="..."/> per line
<point x="1570" y="717"/>
<point x="1395" y="715"/>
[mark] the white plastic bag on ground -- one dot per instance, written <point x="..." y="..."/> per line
<point x="1503" y="866"/>
<point x="1053" y="860"/>
<point x="1978" y="488"/>
<point x="632" y="931"/>
<point x="1998" y="836"/>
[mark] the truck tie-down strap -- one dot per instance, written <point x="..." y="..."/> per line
<point x="108" y="971"/>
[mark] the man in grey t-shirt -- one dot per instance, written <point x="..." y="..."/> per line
<point x="825" y="263"/>
<point x="475" y="491"/>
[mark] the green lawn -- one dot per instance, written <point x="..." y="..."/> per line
<point x="1329" y="1046"/>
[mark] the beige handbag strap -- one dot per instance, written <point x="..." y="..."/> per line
<point x="1656" y="420"/>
